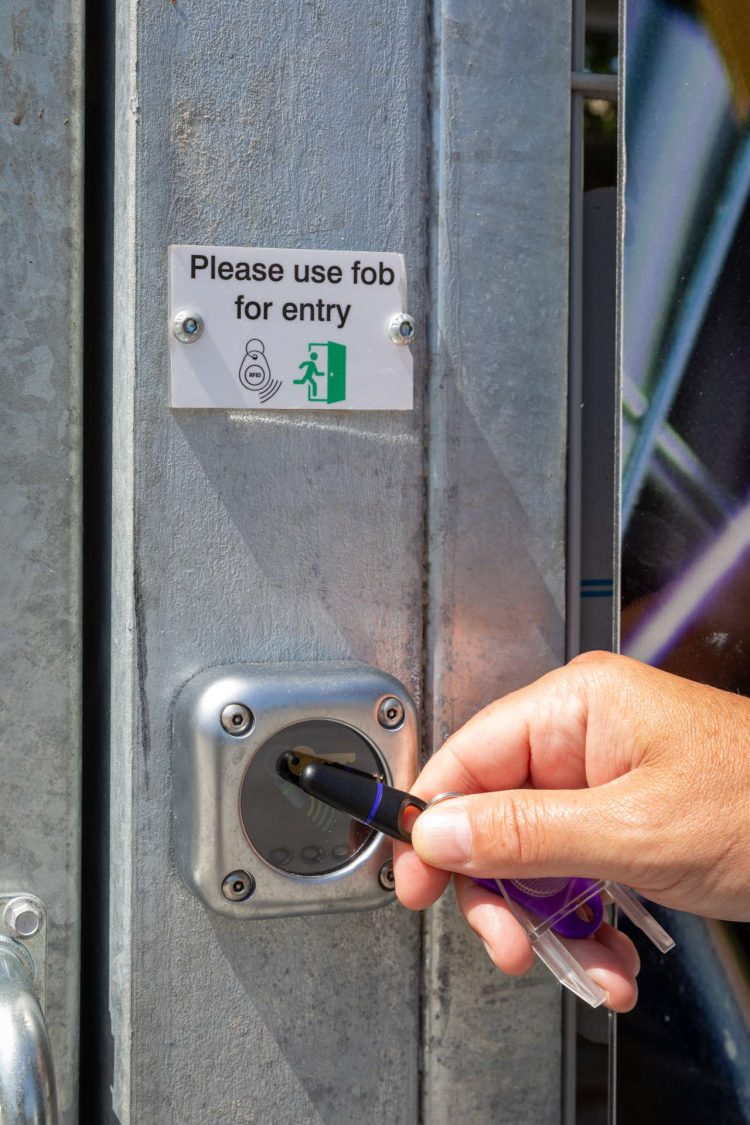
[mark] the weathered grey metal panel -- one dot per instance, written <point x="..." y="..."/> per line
<point x="497" y="486"/>
<point x="260" y="537"/>
<point x="40" y="529"/>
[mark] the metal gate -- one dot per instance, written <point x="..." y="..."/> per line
<point x="428" y="544"/>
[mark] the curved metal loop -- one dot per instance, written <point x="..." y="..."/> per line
<point x="27" y="1078"/>
<point x="447" y="796"/>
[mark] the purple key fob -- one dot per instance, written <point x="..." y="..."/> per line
<point x="545" y="897"/>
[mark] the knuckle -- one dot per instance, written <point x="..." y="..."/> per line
<point x="596" y="669"/>
<point x="593" y="657"/>
<point x="600" y="678"/>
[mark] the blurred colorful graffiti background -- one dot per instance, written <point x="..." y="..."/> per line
<point x="685" y="308"/>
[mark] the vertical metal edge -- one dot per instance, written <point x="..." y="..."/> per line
<point x="124" y="732"/>
<point x="569" y="1058"/>
<point x="575" y="346"/>
<point x="490" y="1079"/>
<point x="431" y="126"/>
<point x="622" y="167"/>
<point x="574" y="522"/>
<point x="67" y="1084"/>
<point x="427" y="1032"/>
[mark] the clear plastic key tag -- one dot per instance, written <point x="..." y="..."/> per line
<point x="559" y="910"/>
<point x="550" y="946"/>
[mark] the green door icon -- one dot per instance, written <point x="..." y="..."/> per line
<point x="336" y="372"/>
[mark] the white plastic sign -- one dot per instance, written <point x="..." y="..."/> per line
<point x="260" y="329"/>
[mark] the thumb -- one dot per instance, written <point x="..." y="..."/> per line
<point x="528" y="832"/>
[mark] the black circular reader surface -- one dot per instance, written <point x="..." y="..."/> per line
<point x="291" y="830"/>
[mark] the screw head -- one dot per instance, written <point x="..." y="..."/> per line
<point x="390" y="712"/>
<point x="237" y="886"/>
<point x="237" y="719"/>
<point x="24" y="917"/>
<point x="402" y="328"/>
<point x="386" y="878"/>
<point x="188" y="326"/>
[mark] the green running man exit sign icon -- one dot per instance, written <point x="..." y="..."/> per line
<point x="273" y="329"/>
<point x="329" y="384"/>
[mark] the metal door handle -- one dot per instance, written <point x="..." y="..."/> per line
<point x="27" y="1077"/>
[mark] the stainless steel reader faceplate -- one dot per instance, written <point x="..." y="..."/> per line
<point x="227" y="723"/>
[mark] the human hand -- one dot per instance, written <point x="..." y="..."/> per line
<point x="605" y="768"/>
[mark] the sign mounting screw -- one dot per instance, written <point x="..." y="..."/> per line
<point x="188" y="326"/>
<point x="402" y="328"/>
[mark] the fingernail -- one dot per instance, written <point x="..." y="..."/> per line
<point x="490" y="954"/>
<point x="443" y="836"/>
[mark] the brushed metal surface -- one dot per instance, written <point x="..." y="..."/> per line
<point x="256" y="539"/>
<point x="498" y="402"/>
<point x="41" y="48"/>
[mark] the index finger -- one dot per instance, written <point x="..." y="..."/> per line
<point x="417" y="884"/>
<point x="534" y="736"/>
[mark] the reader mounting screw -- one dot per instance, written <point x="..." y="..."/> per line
<point x="390" y="712"/>
<point x="188" y="326"/>
<point x="237" y="886"/>
<point x="24" y="917"/>
<point x="236" y="719"/>
<point x="402" y="328"/>
<point x="386" y="878"/>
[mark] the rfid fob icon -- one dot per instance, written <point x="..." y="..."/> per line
<point x="255" y="373"/>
